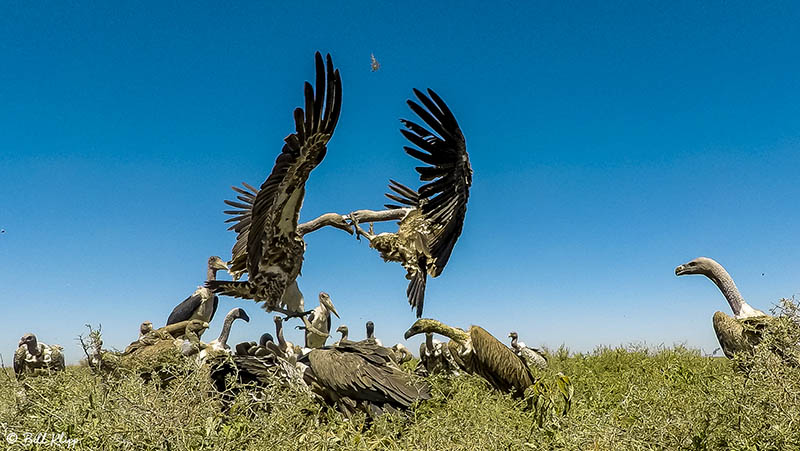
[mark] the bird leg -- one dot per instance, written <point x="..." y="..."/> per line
<point x="289" y="314"/>
<point x="328" y="219"/>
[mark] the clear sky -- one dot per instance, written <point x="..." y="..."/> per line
<point x="610" y="142"/>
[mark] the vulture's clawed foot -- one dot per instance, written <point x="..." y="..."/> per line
<point x="296" y="314"/>
<point x="354" y="222"/>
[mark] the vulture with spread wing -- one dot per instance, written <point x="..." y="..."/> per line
<point x="431" y="218"/>
<point x="268" y="246"/>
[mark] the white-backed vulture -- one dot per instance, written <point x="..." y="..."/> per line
<point x="533" y="357"/>
<point x="269" y="247"/>
<point x="432" y="217"/>
<point x="144" y="328"/>
<point x="164" y="340"/>
<point x="344" y="331"/>
<point x="33" y="358"/>
<point x="401" y="353"/>
<point x="478" y="352"/>
<point x="287" y="348"/>
<point x="435" y="358"/>
<point x="742" y="331"/>
<point x="361" y="376"/>
<point x="220" y="344"/>
<point x="202" y="304"/>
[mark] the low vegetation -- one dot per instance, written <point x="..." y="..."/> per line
<point x="623" y="398"/>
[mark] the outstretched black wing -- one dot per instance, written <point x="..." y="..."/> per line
<point x="444" y="199"/>
<point x="269" y="215"/>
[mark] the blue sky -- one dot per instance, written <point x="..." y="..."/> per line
<point x="610" y="142"/>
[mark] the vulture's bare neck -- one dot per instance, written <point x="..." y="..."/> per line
<point x="211" y="274"/>
<point x="724" y="282"/>
<point x="226" y="330"/>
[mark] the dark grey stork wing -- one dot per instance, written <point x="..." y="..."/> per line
<point x="184" y="310"/>
<point x="268" y="216"/>
<point x="443" y="201"/>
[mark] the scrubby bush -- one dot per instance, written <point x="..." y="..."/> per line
<point x="622" y="398"/>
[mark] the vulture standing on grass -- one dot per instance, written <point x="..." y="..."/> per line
<point x="361" y="376"/>
<point x="478" y="352"/>
<point x="202" y="304"/>
<point x="533" y="357"/>
<point x="34" y="358"/>
<point x="431" y="218"/>
<point x="435" y="358"/>
<point x="269" y="247"/>
<point x="743" y="330"/>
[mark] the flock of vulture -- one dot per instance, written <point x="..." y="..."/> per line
<point x="351" y="375"/>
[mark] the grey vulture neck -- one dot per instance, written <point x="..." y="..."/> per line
<point x="724" y="281"/>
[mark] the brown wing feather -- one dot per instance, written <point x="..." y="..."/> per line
<point x="362" y="372"/>
<point x="258" y="218"/>
<point x="497" y="363"/>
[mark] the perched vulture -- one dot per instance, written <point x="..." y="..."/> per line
<point x="34" y="358"/>
<point x="533" y="357"/>
<point x="744" y="330"/>
<point x="361" y="376"/>
<point x="431" y="218"/>
<point x="268" y="246"/>
<point x="220" y="344"/>
<point x="478" y="352"/>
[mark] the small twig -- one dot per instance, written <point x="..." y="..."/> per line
<point x="3" y="366"/>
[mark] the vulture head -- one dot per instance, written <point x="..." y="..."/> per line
<point x="700" y="265"/>
<point x="342" y="330"/>
<point x="370" y="329"/>
<point x="217" y="264"/>
<point x="513" y="335"/>
<point x="426" y="325"/>
<point x="325" y="301"/>
<point x="29" y="341"/>
<point x="145" y="328"/>
<point x="238" y="313"/>
<point x="265" y="338"/>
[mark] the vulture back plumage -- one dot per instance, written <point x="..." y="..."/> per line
<point x="497" y="363"/>
<point x="363" y="374"/>
<point x="265" y="220"/>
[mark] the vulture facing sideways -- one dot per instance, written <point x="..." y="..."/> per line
<point x="533" y="357"/>
<point x="742" y="331"/>
<point x="432" y="217"/>
<point x="269" y="247"/>
<point x="34" y="358"/>
<point x="478" y="352"/>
